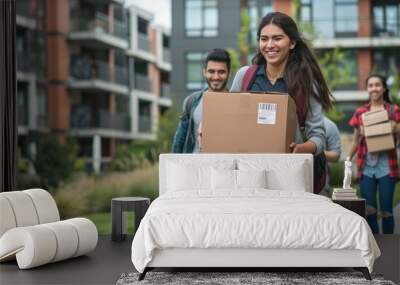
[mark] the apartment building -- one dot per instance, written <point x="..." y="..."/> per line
<point x="107" y="74"/>
<point x="368" y="32"/>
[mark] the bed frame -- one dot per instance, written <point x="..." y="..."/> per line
<point x="242" y="259"/>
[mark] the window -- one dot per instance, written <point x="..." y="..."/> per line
<point x="194" y="70"/>
<point x="386" y="18"/>
<point x="257" y="10"/>
<point x="201" y="18"/>
<point x="41" y="119"/>
<point x="142" y="26"/>
<point x="386" y="61"/>
<point x="22" y="103"/>
<point x="346" y="18"/>
<point x="320" y="15"/>
<point x="330" y="18"/>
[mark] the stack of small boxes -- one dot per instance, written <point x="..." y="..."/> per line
<point x="378" y="131"/>
<point x="344" y="194"/>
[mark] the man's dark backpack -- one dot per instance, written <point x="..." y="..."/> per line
<point x="320" y="159"/>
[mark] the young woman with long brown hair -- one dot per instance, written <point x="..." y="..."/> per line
<point x="377" y="170"/>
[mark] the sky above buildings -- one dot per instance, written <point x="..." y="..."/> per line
<point x="160" y="8"/>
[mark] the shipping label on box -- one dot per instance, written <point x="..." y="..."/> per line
<point x="266" y="113"/>
<point x="374" y="117"/>
<point x="247" y="122"/>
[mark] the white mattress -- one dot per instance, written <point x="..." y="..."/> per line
<point x="250" y="218"/>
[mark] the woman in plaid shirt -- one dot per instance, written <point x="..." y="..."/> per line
<point x="378" y="169"/>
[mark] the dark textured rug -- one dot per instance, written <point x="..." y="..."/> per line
<point x="228" y="278"/>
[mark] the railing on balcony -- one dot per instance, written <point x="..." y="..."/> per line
<point x="41" y="121"/>
<point x="113" y="121"/>
<point x="22" y="115"/>
<point x="143" y="42"/>
<point x="102" y="70"/>
<point x="165" y="90"/>
<point x="83" y="68"/>
<point x="142" y="82"/>
<point x="166" y="54"/>
<point x="99" y="24"/>
<point x="120" y="29"/>
<point x="24" y="62"/>
<point x="144" y="124"/>
<point x="121" y="75"/>
<point x="82" y="117"/>
<point x="390" y="29"/>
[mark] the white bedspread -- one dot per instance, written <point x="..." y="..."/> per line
<point x="250" y="219"/>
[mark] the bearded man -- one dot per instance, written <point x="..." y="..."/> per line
<point x="216" y="73"/>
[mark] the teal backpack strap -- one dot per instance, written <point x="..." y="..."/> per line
<point x="188" y="106"/>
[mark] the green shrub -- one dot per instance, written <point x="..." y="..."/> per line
<point x="54" y="161"/>
<point x="336" y="174"/>
<point x="93" y="194"/>
<point x="22" y="166"/>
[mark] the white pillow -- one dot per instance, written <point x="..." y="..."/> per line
<point x="223" y="179"/>
<point x="281" y="174"/>
<point x="251" y="178"/>
<point x="182" y="177"/>
<point x="280" y="180"/>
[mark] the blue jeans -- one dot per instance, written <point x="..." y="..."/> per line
<point x="369" y="187"/>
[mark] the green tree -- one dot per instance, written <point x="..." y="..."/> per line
<point x="55" y="162"/>
<point x="395" y="87"/>
<point x="245" y="46"/>
<point x="141" y="152"/>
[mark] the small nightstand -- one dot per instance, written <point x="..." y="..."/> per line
<point x="119" y="207"/>
<point x="355" y="205"/>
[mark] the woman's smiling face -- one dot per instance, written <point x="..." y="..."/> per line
<point x="275" y="45"/>
<point x="375" y="88"/>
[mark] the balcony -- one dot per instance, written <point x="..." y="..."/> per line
<point x="121" y="75"/>
<point x="83" y="117"/>
<point x="143" y="42"/>
<point x="165" y="90"/>
<point x="41" y="121"/>
<point x="97" y="33"/>
<point x="145" y="124"/>
<point x="385" y="30"/>
<point x="142" y="82"/>
<point x="22" y="115"/>
<point x="113" y="121"/>
<point x="98" y="75"/>
<point x="166" y="54"/>
<point x="24" y="62"/>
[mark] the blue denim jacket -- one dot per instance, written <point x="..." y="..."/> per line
<point x="185" y="135"/>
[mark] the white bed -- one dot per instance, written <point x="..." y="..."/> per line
<point x="247" y="210"/>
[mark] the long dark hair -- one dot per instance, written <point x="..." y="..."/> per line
<point x="386" y="95"/>
<point x="302" y="73"/>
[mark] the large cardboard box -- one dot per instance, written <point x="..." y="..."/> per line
<point x="380" y="143"/>
<point x="247" y="122"/>
<point x="378" y="131"/>
<point x="375" y="117"/>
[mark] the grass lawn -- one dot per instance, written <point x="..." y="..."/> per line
<point x="103" y="222"/>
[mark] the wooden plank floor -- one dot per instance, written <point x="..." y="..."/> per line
<point x="111" y="259"/>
